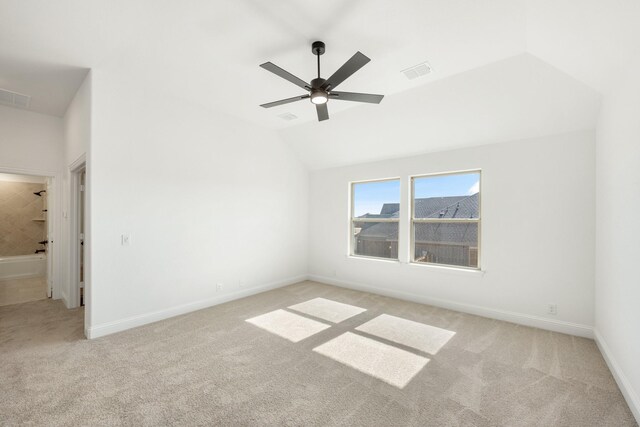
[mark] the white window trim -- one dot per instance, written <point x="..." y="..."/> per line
<point x="413" y="220"/>
<point x="351" y="238"/>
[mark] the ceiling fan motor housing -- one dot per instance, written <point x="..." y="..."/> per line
<point x="317" y="48"/>
<point x="317" y="83"/>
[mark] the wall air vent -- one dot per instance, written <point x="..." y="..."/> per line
<point x="14" y="99"/>
<point x="287" y="116"/>
<point x="417" y="71"/>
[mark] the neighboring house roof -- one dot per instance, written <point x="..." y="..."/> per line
<point x="391" y="215"/>
<point x="379" y="230"/>
<point x="390" y="208"/>
<point x="447" y="207"/>
<point x="432" y="207"/>
<point x="460" y="234"/>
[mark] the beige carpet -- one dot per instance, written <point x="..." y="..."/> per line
<point x="212" y="367"/>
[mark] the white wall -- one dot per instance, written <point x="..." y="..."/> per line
<point x="32" y="144"/>
<point x="77" y="123"/>
<point x="618" y="228"/>
<point x="206" y="199"/>
<point x="9" y="177"/>
<point x="537" y="233"/>
<point x="30" y="141"/>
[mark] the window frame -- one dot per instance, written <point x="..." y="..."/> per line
<point x="413" y="220"/>
<point x="352" y="219"/>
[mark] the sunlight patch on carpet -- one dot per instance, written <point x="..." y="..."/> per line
<point x="420" y="336"/>
<point x="327" y="309"/>
<point x="384" y="362"/>
<point x="288" y="325"/>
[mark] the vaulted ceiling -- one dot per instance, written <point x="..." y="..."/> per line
<point x="518" y="97"/>
<point x="502" y="69"/>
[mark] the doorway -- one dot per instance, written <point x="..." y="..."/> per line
<point x="27" y="230"/>
<point x="78" y="291"/>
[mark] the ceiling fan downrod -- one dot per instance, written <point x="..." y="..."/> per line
<point x="318" y="49"/>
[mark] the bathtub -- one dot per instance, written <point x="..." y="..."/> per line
<point x="22" y="266"/>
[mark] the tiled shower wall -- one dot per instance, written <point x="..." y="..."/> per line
<point x="21" y="225"/>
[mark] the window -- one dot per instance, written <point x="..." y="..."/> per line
<point x="375" y="207"/>
<point x="445" y="219"/>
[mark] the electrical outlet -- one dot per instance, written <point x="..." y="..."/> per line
<point x="218" y="287"/>
<point x="552" y="309"/>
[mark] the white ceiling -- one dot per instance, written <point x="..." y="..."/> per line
<point x="51" y="86"/>
<point x="595" y="41"/>
<point x="519" y="97"/>
<point x="209" y="52"/>
<point x="483" y="87"/>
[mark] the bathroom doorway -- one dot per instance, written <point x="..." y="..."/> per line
<point x="26" y="230"/>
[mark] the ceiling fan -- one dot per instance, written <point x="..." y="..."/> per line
<point x="321" y="90"/>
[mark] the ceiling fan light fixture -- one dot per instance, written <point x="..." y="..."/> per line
<point x="319" y="97"/>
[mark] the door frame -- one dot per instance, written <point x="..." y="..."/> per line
<point x="75" y="169"/>
<point x="54" y="260"/>
<point x="51" y="232"/>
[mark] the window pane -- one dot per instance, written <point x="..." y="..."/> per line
<point x="446" y="243"/>
<point x="447" y="196"/>
<point x="380" y="199"/>
<point x="375" y="239"/>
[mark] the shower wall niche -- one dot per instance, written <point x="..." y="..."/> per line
<point x="23" y="215"/>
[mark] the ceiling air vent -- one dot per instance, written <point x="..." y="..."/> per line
<point x="14" y="99"/>
<point x="287" y="116"/>
<point x="417" y="71"/>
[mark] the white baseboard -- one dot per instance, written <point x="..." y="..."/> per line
<point x="627" y="390"/>
<point x="508" y="316"/>
<point x="143" y="319"/>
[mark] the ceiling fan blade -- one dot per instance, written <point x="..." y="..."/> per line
<point x="285" y="75"/>
<point x="356" y="62"/>
<point x="323" y="113"/>
<point x="284" y="101"/>
<point x="357" y="97"/>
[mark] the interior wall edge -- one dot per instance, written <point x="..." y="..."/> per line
<point x="65" y="299"/>
<point x="630" y="395"/>
<point x="569" y="328"/>
<point x="120" y="325"/>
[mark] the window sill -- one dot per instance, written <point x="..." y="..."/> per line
<point x="371" y="258"/>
